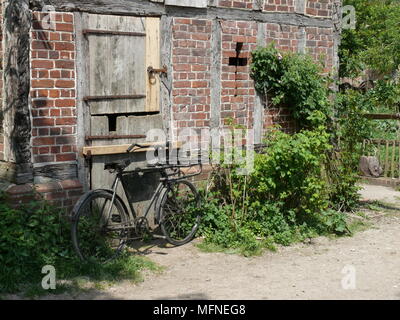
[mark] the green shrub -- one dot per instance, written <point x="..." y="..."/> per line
<point x="294" y="81"/>
<point x="285" y="199"/>
<point x="36" y="235"/>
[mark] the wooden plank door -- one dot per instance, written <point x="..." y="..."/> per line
<point x="121" y="99"/>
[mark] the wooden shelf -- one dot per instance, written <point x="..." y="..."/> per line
<point x="120" y="149"/>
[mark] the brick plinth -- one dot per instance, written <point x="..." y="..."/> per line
<point x="62" y="194"/>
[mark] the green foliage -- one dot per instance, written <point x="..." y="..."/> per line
<point x="351" y="129"/>
<point x="384" y="97"/>
<point x="292" y="80"/>
<point x="37" y="235"/>
<point x="375" y="42"/>
<point x="303" y="183"/>
<point x="282" y="201"/>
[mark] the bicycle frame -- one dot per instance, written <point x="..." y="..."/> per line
<point x="164" y="181"/>
<point x="132" y="213"/>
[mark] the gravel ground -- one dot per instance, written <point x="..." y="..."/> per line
<point x="365" y="266"/>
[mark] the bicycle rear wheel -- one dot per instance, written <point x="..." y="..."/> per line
<point x="99" y="229"/>
<point x="180" y="212"/>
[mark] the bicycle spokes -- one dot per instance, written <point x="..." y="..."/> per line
<point x="180" y="211"/>
<point x="101" y="230"/>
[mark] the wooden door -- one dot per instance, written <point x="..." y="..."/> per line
<point x="121" y="99"/>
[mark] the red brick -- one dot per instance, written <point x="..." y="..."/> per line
<point x="64" y="46"/>
<point x="70" y="184"/>
<point x="66" y="121"/>
<point x="55" y="149"/>
<point x="54" y="55"/>
<point x="65" y="103"/>
<point x="66" y="157"/>
<point x="55" y="112"/>
<point x="42" y="83"/>
<point x="68" y="17"/>
<point x="199" y="84"/>
<point x="55" y="131"/>
<point x="66" y="140"/>
<point x="45" y="64"/>
<point x="65" y="64"/>
<point x="48" y="187"/>
<point x="200" y="116"/>
<point x="53" y="93"/>
<point x="65" y="84"/>
<point x="65" y="27"/>
<point x="55" y="74"/>
<point x="43" y="141"/>
<point x="55" y="36"/>
<point x="44" y="150"/>
<point x="43" y="45"/>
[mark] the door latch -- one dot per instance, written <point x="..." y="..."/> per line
<point x="152" y="71"/>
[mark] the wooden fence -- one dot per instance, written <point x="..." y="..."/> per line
<point x="388" y="154"/>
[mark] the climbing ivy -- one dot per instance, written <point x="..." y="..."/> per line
<point x="294" y="81"/>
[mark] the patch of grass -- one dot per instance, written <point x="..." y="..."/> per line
<point x="91" y="276"/>
<point x="263" y="244"/>
<point x="209" y="247"/>
<point x="381" y="206"/>
<point x="359" y="226"/>
<point x="37" y="235"/>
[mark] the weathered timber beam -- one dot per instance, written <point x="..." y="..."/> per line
<point x="48" y="172"/>
<point x="381" y="141"/>
<point x="147" y="8"/>
<point x="382" y="116"/>
<point x="17" y="122"/>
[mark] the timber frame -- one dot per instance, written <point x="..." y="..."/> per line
<point x="147" y="8"/>
<point x="16" y="43"/>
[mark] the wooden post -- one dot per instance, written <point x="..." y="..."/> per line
<point x="398" y="162"/>
<point x="393" y="158"/>
<point x="386" y="159"/>
<point x="17" y="121"/>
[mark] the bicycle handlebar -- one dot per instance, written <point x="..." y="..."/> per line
<point x="140" y="146"/>
<point x="133" y="146"/>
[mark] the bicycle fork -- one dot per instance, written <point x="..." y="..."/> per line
<point x="108" y="214"/>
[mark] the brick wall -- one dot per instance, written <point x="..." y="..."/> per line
<point x="266" y="5"/>
<point x="285" y="38"/>
<point x="63" y="194"/>
<point x="191" y="59"/>
<point x="239" y="4"/>
<point x="237" y="88"/>
<point x="53" y="90"/>
<point x="320" y="8"/>
<point x="319" y="44"/>
<point x="191" y="70"/>
<point x="53" y="83"/>
<point x="279" y="5"/>
<point x="53" y="108"/>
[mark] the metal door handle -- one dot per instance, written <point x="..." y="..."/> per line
<point x="151" y="71"/>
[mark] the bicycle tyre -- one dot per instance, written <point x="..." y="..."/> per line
<point x="92" y="239"/>
<point x="172" y="208"/>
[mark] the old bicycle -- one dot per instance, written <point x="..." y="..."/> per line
<point x="102" y="224"/>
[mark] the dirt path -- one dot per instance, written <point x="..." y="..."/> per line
<point x="303" y="271"/>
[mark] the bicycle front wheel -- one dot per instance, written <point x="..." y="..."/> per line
<point x="99" y="229"/>
<point x="180" y="212"/>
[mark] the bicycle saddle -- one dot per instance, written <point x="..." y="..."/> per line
<point x="120" y="165"/>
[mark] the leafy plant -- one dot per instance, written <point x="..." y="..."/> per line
<point x="36" y="235"/>
<point x="282" y="201"/>
<point x="375" y="42"/>
<point x="294" y="81"/>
